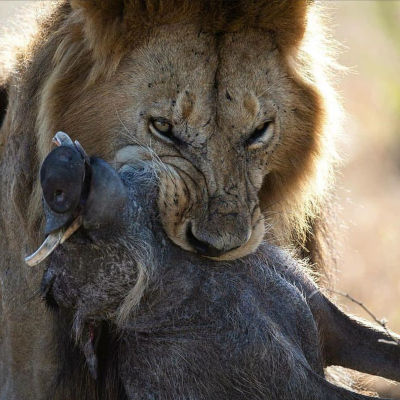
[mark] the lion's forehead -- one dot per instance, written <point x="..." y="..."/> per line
<point x="204" y="80"/>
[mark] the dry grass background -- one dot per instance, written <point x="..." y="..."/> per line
<point x="369" y="183"/>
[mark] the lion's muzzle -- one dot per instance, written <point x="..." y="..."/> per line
<point x="223" y="227"/>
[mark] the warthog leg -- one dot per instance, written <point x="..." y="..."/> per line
<point x="354" y="343"/>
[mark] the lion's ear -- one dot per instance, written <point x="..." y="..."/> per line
<point x="105" y="33"/>
<point x="112" y="26"/>
<point x="104" y="9"/>
<point x="286" y="19"/>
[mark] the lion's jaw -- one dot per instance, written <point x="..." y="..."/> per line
<point x="221" y="220"/>
<point x="218" y="221"/>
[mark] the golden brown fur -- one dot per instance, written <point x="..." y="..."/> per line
<point x="218" y="69"/>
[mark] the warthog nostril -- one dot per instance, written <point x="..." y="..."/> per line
<point x="204" y="247"/>
<point x="59" y="196"/>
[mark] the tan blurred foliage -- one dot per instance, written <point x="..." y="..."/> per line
<point x="369" y="183"/>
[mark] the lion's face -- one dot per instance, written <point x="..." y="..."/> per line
<point x="222" y="116"/>
<point x="213" y="110"/>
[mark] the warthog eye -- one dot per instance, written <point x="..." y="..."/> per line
<point x="261" y="135"/>
<point x="163" y="129"/>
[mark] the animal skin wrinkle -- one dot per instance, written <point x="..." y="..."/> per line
<point x="185" y="173"/>
<point x="251" y="104"/>
<point x="206" y="124"/>
<point x="192" y="197"/>
<point x="186" y="102"/>
<point x="198" y="170"/>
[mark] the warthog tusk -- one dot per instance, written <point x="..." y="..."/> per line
<point x="76" y="224"/>
<point x="82" y="152"/>
<point x="62" y="139"/>
<point x="47" y="247"/>
<point x="51" y="243"/>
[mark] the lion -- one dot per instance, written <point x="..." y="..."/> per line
<point x="232" y="97"/>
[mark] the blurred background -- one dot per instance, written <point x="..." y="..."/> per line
<point x="368" y="185"/>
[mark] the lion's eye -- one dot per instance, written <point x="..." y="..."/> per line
<point x="162" y="128"/>
<point x="261" y="135"/>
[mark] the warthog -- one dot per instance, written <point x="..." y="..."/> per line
<point x="153" y="321"/>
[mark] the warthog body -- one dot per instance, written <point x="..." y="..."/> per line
<point x="157" y="322"/>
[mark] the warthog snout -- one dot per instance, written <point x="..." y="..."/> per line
<point x="77" y="191"/>
<point x="75" y="185"/>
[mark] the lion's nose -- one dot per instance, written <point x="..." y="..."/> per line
<point x="207" y="244"/>
<point x="202" y="246"/>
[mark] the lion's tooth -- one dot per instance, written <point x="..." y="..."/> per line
<point x="51" y="243"/>
<point x="47" y="247"/>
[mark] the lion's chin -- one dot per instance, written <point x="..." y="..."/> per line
<point x="179" y="237"/>
<point x="252" y="244"/>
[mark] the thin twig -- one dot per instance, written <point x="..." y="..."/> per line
<point x="381" y="322"/>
